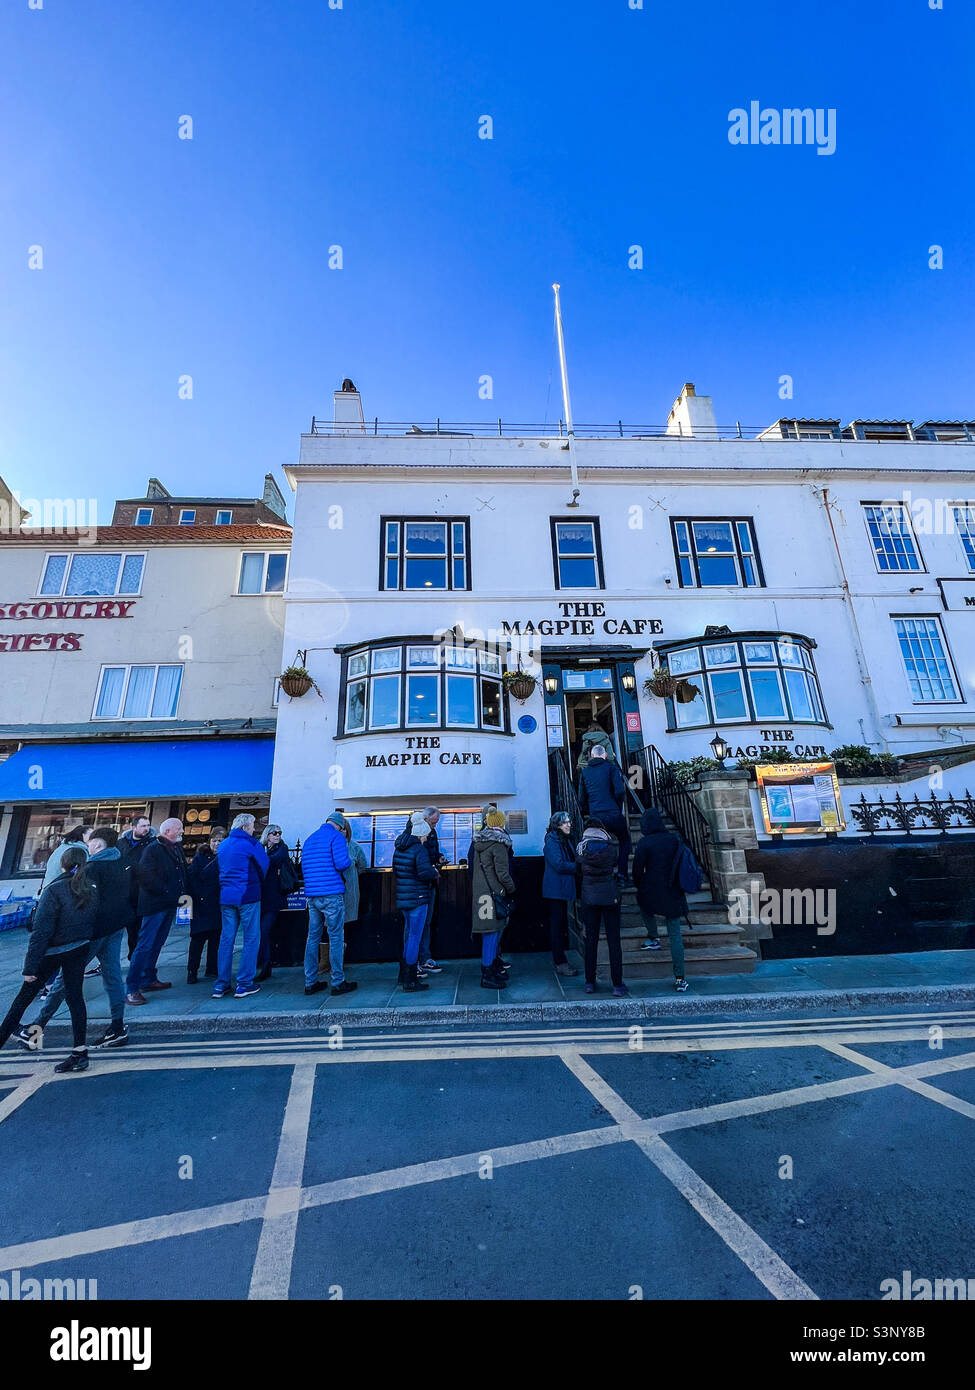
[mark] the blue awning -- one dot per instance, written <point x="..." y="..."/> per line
<point x="99" y="771"/>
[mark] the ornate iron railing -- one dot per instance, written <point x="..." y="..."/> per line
<point x="652" y="783"/>
<point x="914" y="816"/>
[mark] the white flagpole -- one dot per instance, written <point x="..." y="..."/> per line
<point x="565" y="400"/>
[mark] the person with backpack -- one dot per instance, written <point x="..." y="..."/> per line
<point x="597" y="854"/>
<point x="493" y="891"/>
<point x="64" y="922"/>
<point x="205" y="923"/>
<point x="559" y="886"/>
<point x="602" y="794"/>
<point x="415" y="879"/>
<point x="279" y="881"/>
<point x="656" y="874"/>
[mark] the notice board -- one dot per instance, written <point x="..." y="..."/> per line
<point x="800" y="798"/>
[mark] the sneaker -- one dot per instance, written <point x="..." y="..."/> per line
<point x="317" y="987"/>
<point x="652" y="943"/>
<point x="95" y="970"/>
<point x="590" y="988"/>
<point x="566" y="969"/>
<point x="75" y="1061"/>
<point x="430" y="967"/>
<point x="44" y="992"/>
<point x="620" y="991"/>
<point x="116" y="1036"/>
<point x="192" y="978"/>
<point x="26" y="1038"/>
<point x="347" y="986"/>
<point x="421" y="972"/>
<point x="680" y="986"/>
<point x="218" y="993"/>
<point x="245" y="991"/>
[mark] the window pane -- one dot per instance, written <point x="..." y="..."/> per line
<point x="131" y="581"/>
<point x="251" y="574"/>
<point x="798" y="695"/>
<point x="384" y="713"/>
<point x="358" y="664"/>
<point x="724" y="655"/>
<point x="392" y="574"/>
<point x="462" y="658"/>
<point x="426" y="574"/>
<point x="386" y="659"/>
<point x="749" y="567"/>
<point x="728" y="696"/>
<point x="224" y="518"/>
<point x="686" y="573"/>
<point x="766" y="694"/>
<point x="683" y="539"/>
<point x="277" y="567"/>
<point x="578" y="574"/>
<point x="140" y="689"/>
<point x="744" y="537"/>
<point x="712" y="537"/>
<point x="491" y="662"/>
<point x="717" y="569"/>
<point x="426" y="538"/>
<point x="355" y="714"/>
<point x="113" y="679"/>
<point x="457" y="531"/>
<point x="680" y="663"/>
<point x="92" y="576"/>
<point x="166" y="696"/>
<point x="422" y="698"/>
<point x="461" y="700"/>
<point x="459" y="579"/>
<point x="392" y="537"/>
<point x="692" y="715"/>
<point x="759" y="651"/>
<point x="490" y="705"/>
<point x="423" y="656"/>
<point x="54" y="574"/>
<point x="575" y="538"/>
<point x="789" y="654"/>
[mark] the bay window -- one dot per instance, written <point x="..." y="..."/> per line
<point x="422" y="685"/>
<point x="746" y="680"/>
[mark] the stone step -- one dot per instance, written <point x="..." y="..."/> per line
<point x="656" y="965"/>
<point x="693" y="938"/>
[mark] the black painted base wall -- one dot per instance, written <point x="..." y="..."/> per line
<point x="377" y="935"/>
<point x="907" y="894"/>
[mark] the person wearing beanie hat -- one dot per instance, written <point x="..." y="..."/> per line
<point x="414" y="878"/>
<point x="493" y="890"/>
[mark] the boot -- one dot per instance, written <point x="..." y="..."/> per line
<point x="403" y="968"/>
<point x="492" y="977"/>
<point x="412" y="984"/>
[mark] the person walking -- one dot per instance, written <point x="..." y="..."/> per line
<point x="274" y="893"/>
<point x="162" y="879"/>
<point x="324" y="859"/>
<point x="63" y="924"/>
<point x="107" y="873"/>
<point x="243" y="867"/>
<point x="131" y="846"/>
<point x="493" y="891"/>
<point x="658" y="892"/>
<point x="597" y="854"/>
<point x="78" y="836"/>
<point x="415" y="881"/>
<point x="205" y="923"/>
<point x="602" y="794"/>
<point x="594" y="737"/>
<point x="559" y="886"/>
<point x="427" y="964"/>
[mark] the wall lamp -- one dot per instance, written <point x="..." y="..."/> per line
<point x="551" y="684"/>
<point x="719" y="748"/>
<point x="628" y="681"/>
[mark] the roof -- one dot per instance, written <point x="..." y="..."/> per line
<point x="169" y="500"/>
<point x="136" y="729"/>
<point x="278" y="534"/>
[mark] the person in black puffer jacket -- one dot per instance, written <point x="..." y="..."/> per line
<point x="415" y="878"/>
<point x="64" y="922"/>
<point x="205" y="923"/>
<point x="657" y="890"/>
<point x="598" y="855"/>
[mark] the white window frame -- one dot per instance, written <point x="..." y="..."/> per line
<point x="224" y="511"/>
<point x="262" y="592"/>
<point x="187" y="516"/>
<point x="70" y="556"/>
<point x="959" y="696"/>
<point x="426" y="723"/>
<point x="965" y="526"/>
<point x="920" y="568"/>
<point x="128" y="668"/>
<point x="143" y="511"/>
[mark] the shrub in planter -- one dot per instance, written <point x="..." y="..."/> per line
<point x="856" y="760"/>
<point x="662" y="683"/>
<point x="297" y="681"/>
<point x="519" y="684"/>
<point x="774" y="755"/>
<point x="690" y="769"/>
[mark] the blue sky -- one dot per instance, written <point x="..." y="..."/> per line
<point x="359" y="127"/>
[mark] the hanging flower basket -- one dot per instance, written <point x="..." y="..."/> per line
<point x="686" y="693"/>
<point x="519" y="684"/>
<point x="662" y="684"/>
<point x="296" y="681"/>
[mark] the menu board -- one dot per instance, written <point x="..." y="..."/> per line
<point x="800" y="798"/>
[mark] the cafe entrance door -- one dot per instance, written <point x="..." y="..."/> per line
<point x="590" y="702"/>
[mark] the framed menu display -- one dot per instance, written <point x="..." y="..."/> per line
<point x="800" y="798"/>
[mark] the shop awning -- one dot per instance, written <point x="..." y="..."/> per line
<point x="99" y="771"/>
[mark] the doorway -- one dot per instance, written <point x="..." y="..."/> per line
<point x="589" y="703"/>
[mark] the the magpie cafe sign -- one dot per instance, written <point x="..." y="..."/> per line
<point x="43" y="610"/>
<point x="958" y="594"/>
<point x="420" y="751"/>
<point x="580" y="620"/>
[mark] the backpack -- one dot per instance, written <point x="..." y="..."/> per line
<point x="687" y="871"/>
<point x="288" y="878"/>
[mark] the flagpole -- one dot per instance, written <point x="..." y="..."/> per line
<point x="567" y="404"/>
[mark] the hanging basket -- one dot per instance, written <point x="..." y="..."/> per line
<point x="686" y="693"/>
<point x="296" y="682"/>
<point x="520" y="685"/>
<point x="663" y="685"/>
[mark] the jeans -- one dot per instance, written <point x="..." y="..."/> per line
<point x="676" y="940"/>
<point x="234" y="916"/>
<point x="489" y="948"/>
<point x="72" y="966"/>
<point x="416" y="924"/>
<point x="326" y="913"/>
<point x="108" y="949"/>
<point x="558" y="925"/>
<point x="617" y="825"/>
<point x="610" y="917"/>
<point x="152" y="938"/>
<point x="424" y="949"/>
<point x="199" y="939"/>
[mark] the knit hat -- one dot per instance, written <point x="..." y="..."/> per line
<point x="337" y="819"/>
<point x="494" y="820"/>
<point x="418" y="826"/>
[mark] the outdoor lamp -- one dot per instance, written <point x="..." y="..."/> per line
<point x="551" y="684"/>
<point x="628" y="681"/>
<point x="719" y="748"/>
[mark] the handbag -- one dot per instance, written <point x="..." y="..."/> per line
<point x="502" y="907"/>
<point x="288" y="878"/>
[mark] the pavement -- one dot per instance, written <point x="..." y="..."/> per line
<point x="535" y="992"/>
<point x="738" y="1157"/>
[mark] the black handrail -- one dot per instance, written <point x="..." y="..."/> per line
<point x="563" y="793"/>
<point x="653" y="783"/>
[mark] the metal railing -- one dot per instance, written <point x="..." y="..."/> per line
<point x="562" y="791"/>
<point x="506" y="429"/>
<point x="653" y="783"/>
<point x="915" y="816"/>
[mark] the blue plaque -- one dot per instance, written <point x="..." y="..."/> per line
<point x="527" y="724"/>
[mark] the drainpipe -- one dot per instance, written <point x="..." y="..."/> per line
<point x="865" y="678"/>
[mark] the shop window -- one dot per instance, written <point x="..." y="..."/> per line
<point x="716" y="552"/>
<point x="138" y="692"/>
<point x="223" y="518"/>
<point x="889" y="528"/>
<point x="45" y="828"/>
<point x="425" y="553"/>
<point x="420" y="685"/>
<point x="927" y="663"/>
<point x="187" y="516"/>
<point x="143" y="516"/>
<point x="964" y="514"/>
<point x="262" y="572"/>
<point x="746" y="681"/>
<point x="92" y="574"/>
<point x="376" y="833"/>
<point x="577" y="553"/>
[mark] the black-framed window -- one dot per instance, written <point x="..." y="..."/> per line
<point x="425" y="552"/>
<point x="577" y="553"/>
<point x="716" y="552"/>
<point x="757" y="679"/>
<point x="412" y="686"/>
<point x="35" y="832"/>
<point x="895" y="549"/>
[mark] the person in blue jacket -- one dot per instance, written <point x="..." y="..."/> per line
<point x="559" y="886"/>
<point x="324" y="859"/>
<point x="602" y="794"/>
<point x="243" y="866"/>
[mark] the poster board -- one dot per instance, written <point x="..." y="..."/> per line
<point x="800" y="798"/>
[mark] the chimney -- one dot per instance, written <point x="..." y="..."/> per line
<point x="692" y="415"/>
<point x="273" y="499"/>
<point x="348" y="410"/>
